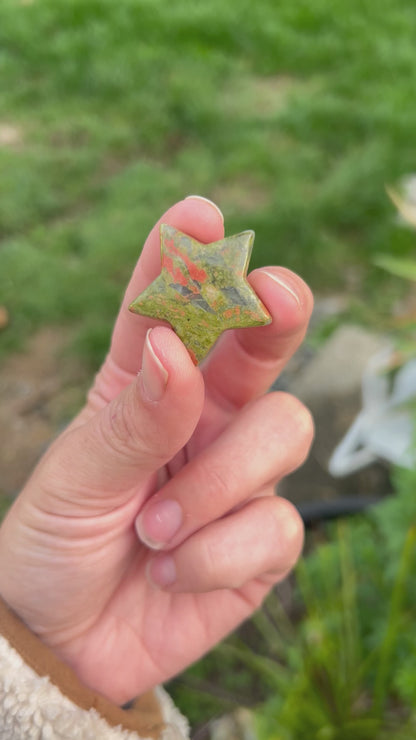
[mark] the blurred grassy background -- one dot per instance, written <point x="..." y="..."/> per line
<point x="292" y="116"/>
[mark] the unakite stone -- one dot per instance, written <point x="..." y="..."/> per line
<point x="202" y="289"/>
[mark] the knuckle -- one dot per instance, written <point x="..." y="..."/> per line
<point x="117" y="428"/>
<point x="110" y="380"/>
<point x="217" y="482"/>
<point x="306" y="427"/>
<point x="217" y="568"/>
<point x="290" y="532"/>
<point x="209" y="557"/>
<point x="301" y="422"/>
<point x="121" y="432"/>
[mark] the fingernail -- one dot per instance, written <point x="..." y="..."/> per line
<point x="207" y="200"/>
<point x="284" y="283"/>
<point x="158" y="523"/>
<point x="161" y="571"/>
<point x="153" y="374"/>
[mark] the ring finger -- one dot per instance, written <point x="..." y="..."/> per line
<point x="262" y="540"/>
<point x="267" y="440"/>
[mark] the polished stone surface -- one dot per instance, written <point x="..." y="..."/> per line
<point x="202" y="289"/>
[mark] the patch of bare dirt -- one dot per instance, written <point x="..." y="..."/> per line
<point x="4" y="317"/>
<point x="40" y="390"/>
<point x="244" y="196"/>
<point x="10" y="135"/>
<point x="254" y="96"/>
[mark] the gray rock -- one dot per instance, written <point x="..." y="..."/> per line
<point x="329" y="384"/>
<point x="337" y="368"/>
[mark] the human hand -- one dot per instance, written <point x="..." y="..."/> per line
<point x="88" y="556"/>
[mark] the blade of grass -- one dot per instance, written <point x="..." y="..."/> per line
<point x="275" y="673"/>
<point x="279" y="616"/>
<point x="269" y="632"/>
<point x="399" y="266"/>
<point x="393" y="623"/>
<point x="352" y="653"/>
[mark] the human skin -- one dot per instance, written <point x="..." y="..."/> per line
<point x="88" y="556"/>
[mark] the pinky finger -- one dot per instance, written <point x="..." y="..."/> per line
<point x="262" y="540"/>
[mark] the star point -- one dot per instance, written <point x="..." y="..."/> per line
<point x="202" y="289"/>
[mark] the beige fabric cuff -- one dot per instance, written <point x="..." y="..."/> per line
<point x="42" y="698"/>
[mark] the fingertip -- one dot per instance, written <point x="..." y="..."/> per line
<point x="209" y="202"/>
<point x="199" y="217"/>
<point x="161" y="571"/>
<point x="171" y="351"/>
<point x="287" y="285"/>
<point x="286" y="296"/>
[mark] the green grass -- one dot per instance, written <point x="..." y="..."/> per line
<point x="351" y="667"/>
<point x="293" y="116"/>
<point x="342" y="664"/>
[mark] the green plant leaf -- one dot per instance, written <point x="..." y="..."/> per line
<point x="404" y="268"/>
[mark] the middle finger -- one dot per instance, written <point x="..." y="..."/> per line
<point x="245" y="362"/>
<point x="267" y="440"/>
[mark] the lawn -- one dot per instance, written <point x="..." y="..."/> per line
<point x="292" y="116"/>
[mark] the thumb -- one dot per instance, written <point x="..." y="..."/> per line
<point x="140" y="430"/>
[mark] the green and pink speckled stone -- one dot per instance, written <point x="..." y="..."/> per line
<point x="202" y="289"/>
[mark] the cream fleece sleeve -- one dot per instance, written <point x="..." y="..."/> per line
<point x="42" y="699"/>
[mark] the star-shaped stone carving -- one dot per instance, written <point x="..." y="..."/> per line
<point x="202" y="289"/>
